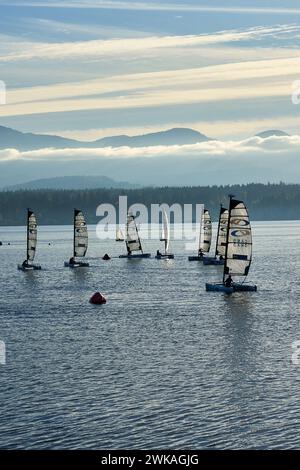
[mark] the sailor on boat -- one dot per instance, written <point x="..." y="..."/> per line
<point x="72" y="260"/>
<point x="229" y="281"/>
<point x="106" y="257"/>
<point x="25" y="263"/>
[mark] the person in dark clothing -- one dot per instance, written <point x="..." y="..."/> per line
<point x="72" y="260"/>
<point x="201" y="253"/>
<point x="229" y="281"/>
<point x="25" y="263"/>
<point x="158" y="253"/>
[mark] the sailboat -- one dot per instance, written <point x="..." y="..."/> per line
<point x="31" y="243"/>
<point x="219" y="257"/>
<point x="238" y="250"/>
<point x="205" y="237"/>
<point x="133" y="242"/>
<point x="80" y="241"/>
<point x="119" y="235"/>
<point x="165" y="237"/>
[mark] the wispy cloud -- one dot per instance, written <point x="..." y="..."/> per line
<point x="20" y="51"/>
<point x="238" y="81"/>
<point x="160" y="6"/>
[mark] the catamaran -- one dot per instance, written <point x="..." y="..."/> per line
<point x="165" y="237"/>
<point x="80" y="241"/>
<point x="133" y="241"/>
<point x="219" y="257"/>
<point x="205" y="236"/>
<point x="31" y="243"/>
<point x="238" y="251"/>
<point x="119" y="235"/>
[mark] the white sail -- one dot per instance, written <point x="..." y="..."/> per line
<point x="119" y="234"/>
<point x="165" y="235"/>
<point x="222" y="233"/>
<point x="31" y="235"/>
<point x="205" y="232"/>
<point x="239" y="240"/>
<point x="133" y="242"/>
<point x="80" y="234"/>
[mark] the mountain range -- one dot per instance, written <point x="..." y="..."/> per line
<point x="72" y="182"/>
<point x="10" y="138"/>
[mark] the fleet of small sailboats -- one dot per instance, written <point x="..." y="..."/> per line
<point x="133" y="241"/>
<point x="80" y="241"/>
<point x="233" y="247"/>
<point x="165" y="237"/>
<point x="27" y="264"/>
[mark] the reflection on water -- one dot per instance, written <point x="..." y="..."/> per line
<point x="163" y="364"/>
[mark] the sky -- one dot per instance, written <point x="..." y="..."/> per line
<point x="89" y="68"/>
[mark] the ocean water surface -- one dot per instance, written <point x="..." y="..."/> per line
<point x="163" y="364"/>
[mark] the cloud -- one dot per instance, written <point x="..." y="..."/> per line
<point x="273" y="146"/>
<point x="20" y="51"/>
<point x="156" y="6"/>
<point x="235" y="81"/>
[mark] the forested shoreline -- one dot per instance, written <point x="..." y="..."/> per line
<point x="55" y="207"/>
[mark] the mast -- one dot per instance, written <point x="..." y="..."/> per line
<point x="74" y="232"/>
<point x="231" y="196"/>
<point x="217" y="242"/>
<point x="27" y="253"/>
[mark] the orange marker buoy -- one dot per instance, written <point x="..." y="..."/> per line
<point x="97" y="299"/>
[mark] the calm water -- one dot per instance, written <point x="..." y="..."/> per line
<point x="163" y="364"/>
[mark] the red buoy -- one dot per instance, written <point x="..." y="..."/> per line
<point x="97" y="299"/>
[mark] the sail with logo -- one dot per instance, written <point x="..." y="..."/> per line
<point x="27" y="264"/>
<point x="165" y="237"/>
<point x="219" y="257"/>
<point x="238" y="251"/>
<point x="80" y="241"/>
<point x="133" y="241"/>
<point x="205" y="237"/>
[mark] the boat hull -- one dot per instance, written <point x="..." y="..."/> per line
<point x="230" y="290"/>
<point x="195" y="258"/>
<point x="78" y="264"/>
<point x="168" y="256"/>
<point x="218" y="288"/>
<point x="213" y="262"/>
<point x="138" y="256"/>
<point x="31" y="267"/>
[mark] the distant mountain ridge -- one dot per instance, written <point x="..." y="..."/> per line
<point x="10" y="138"/>
<point x="271" y="133"/>
<point x="72" y="182"/>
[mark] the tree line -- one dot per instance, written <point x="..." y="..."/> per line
<point x="55" y="207"/>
